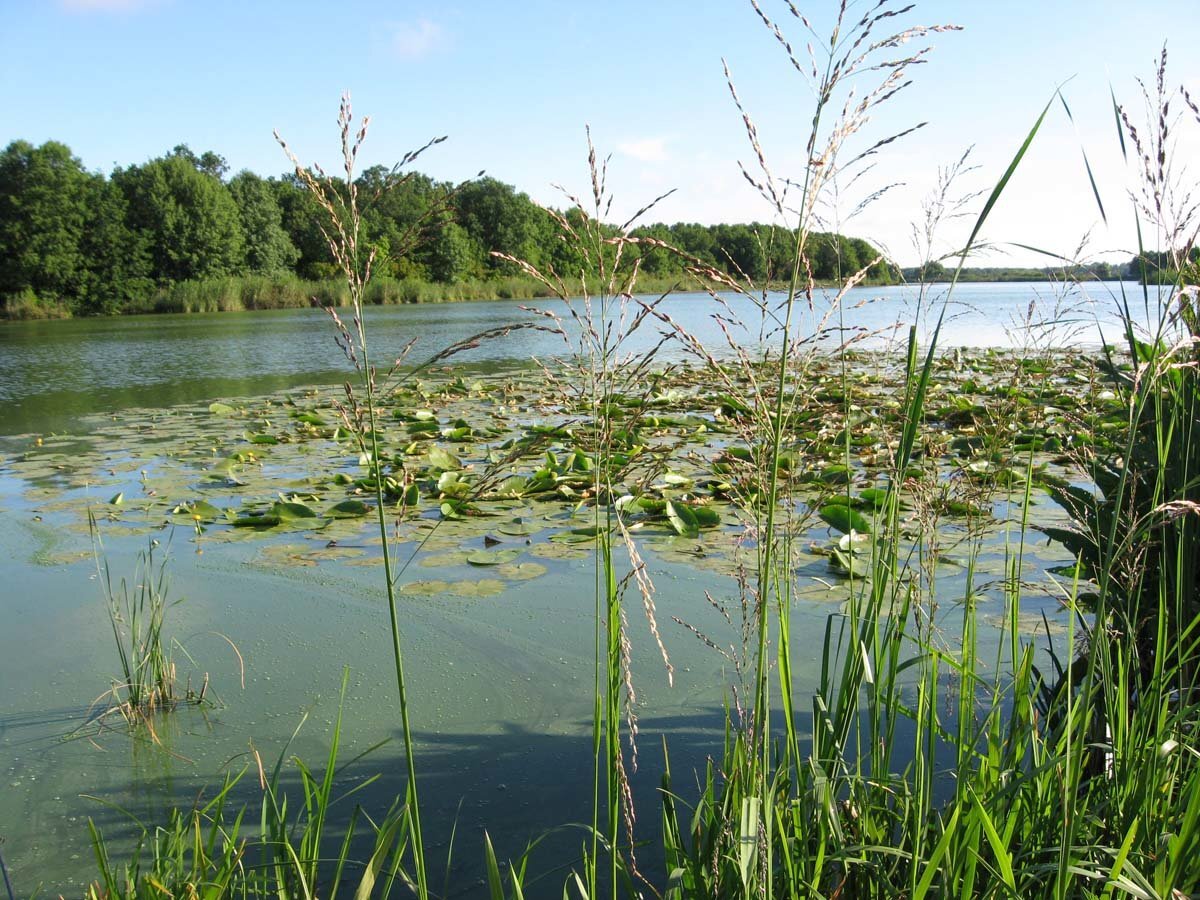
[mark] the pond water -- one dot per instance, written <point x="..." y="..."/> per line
<point x="114" y="415"/>
<point x="51" y="373"/>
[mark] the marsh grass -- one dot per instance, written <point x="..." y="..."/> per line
<point x="612" y="385"/>
<point x="1052" y="770"/>
<point x="933" y="767"/>
<point x="212" y="850"/>
<point x="137" y="613"/>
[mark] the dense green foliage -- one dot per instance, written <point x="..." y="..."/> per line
<point x="74" y="242"/>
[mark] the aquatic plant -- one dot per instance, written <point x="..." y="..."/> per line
<point x="209" y="850"/>
<point x="342" y="230"/>
<point x="931" y="767"/>
<point x="137" y="615"/>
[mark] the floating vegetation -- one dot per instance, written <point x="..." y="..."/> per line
<point x="494" y="473"/>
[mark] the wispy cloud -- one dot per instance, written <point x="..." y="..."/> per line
<point x="413" y="40"/>
<point x="104" y="6"/>
<point x="645" y="149"/>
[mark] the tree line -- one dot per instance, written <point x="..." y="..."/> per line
<point x="92" y="244"/>
<point x="936" y="271"/>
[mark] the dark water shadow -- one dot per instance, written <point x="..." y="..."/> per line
<point x="520" y="786"/>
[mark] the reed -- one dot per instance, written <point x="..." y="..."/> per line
<point x="209" y="851"/>
<point x="934" y="768"/>
<point x="137" y="613"/>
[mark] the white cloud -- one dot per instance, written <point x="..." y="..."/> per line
<point x="412" y="40"/>
<point x="103" y="6"/>
<point x="645" y="149"/>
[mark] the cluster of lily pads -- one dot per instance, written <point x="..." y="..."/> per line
<point x="500" y="471"/>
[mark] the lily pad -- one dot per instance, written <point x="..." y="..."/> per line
<point x="492" y="557"/>
<point x="349" y="509"/>
<point x="521" y="571"/>
<point x="518" y="528"/>
<point x="289" y="510"/>
<point x="844" y="519"/>
<point x="443" y="459"/>
<point x="438" y="560"/>
<point x="557" y="550"/>
<point x="485" y="587"/>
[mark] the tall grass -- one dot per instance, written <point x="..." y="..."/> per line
<point x="342" y="230"/>
<point x="604" y="373"/>
<point x="933" y="769"/>
<point x="137" y="613"/>
<point x="928" y="773"/>
<point x="212" y="851"/>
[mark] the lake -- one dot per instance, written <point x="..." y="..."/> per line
<point x="51" y="373"/>
<point x="114" y="415"/>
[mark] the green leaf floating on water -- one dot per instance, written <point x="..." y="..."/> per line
<point x="286" y="510"/>
<point x="441" y="459"/>
<point x="486" y="587"/>
<point x="873" y="497"/>
<point x="583" y="535"/>
<point x="844" y="519"/>
<point x="201" y="509"/>
<point x="850" y="563"/>
<point x="256" y="520"/>
<point x="261" y="438"/>
<point x="221" y="409"/>
<point x="683" y="519"/>
<point x="493" y="557"/>
<point x="518" y="528"/>
<point x="349" y="509"/>
<point x="521" y="571"/>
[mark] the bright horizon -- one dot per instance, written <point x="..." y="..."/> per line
<point x="513" y="86"/>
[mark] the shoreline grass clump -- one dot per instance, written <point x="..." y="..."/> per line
<point x="213" y="849"/>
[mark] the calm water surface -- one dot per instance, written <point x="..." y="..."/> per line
<point x="51" y="373"/>
<point x="502" y="688"/>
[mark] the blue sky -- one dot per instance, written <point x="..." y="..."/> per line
<point x="513" y="85"/>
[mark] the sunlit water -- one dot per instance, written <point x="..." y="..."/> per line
<point x="51" y="373"/>
<point x="502" y="688"/>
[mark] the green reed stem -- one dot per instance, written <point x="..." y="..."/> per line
<point x="414" y="807"/>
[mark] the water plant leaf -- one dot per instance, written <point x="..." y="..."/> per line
<point x="485" y="587"/>
<point x="201" y="510"/>
<point x="286" y="510"/>
<point x="221" y="409"/>
<point x="518" y="528"/>
<point x="442" y="459"/>
<point x="256" y="520"/>
<point x="438" y="560"/>
<point x="349" y="509"/>
<point x="521" y="571"/>
<point x="844" y="519"/>
<point x="683" y="519"/>
<point x="493" y="557"/>
<point x="557" y="550"/>
<point x="425" y="588"/>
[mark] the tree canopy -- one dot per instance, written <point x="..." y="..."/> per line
<point x="96" y="244"/>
